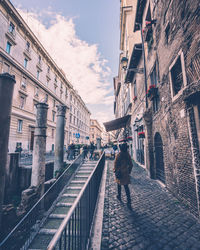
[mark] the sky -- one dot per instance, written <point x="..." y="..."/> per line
<point x="82" y="36"/>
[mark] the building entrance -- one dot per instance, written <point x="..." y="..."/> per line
<point x="160" y="170"/>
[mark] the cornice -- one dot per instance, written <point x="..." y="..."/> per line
<point x="27" y="31"/>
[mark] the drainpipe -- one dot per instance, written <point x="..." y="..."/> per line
<point x="144" y="61"/>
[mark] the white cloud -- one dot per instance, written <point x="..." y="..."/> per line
<point x="83" y="64"/>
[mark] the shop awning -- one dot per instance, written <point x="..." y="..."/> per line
<point x="117" y="123"/>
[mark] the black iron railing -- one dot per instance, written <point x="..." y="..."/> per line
<point x="74" y="231"/>
<point x="23" y="233"/>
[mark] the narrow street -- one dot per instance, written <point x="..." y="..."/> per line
<point x="157" y="219"/>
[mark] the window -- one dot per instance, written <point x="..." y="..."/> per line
<point x="47" y="82"/>
<point x="23" y="82"/>
<point x="46" y="98"/>
<point x="53" y="116"/>
<point x="134" y="90"/>
<point x="34" y="108"/>
<point x="167" y="31"/>
<point x="39" y="59"/>
<point x="48" y="69"/>
<point x="27" y="46"/>
<point x="54" y="103"/>
<point x="177" y="74"/>
<point x="36" y="91"/>
<point x="154" y="81"/>
<point x="19" y="126"/>
<point x="197" y="121"/>
<point x="22" y="102"/>
<point x="55" y="87"/>
<point x="153" y="76"/>
<point x="25" y="62"/>
<point x="38" y="74"/>
<point x="52" y="133"/>
<point x="6" y="68"/>
<point x="12" y="28"/>
<point x="66" y="94"/>
<point x="70" y="118"/>
<point x="8" y="47"/>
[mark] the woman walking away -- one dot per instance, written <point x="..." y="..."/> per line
<point x="122" y="169"/>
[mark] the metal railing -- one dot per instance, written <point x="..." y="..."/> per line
<point x="23" y="233"/>
<point x="75" y="229"/>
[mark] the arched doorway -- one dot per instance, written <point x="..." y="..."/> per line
<point x="160" y="170"/>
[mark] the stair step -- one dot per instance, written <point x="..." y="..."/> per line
<point x="61" y="209"/>
<point x="47" y="231"/>
<point x="77" y="182"/>
<point x="81" y="176"/>
<point x="35" y="249"/>
<point x="75" y="186"/>
<point x="70" y="191"/>
<point x="64" y="204"/>
<point x="57" y="216"/>
<point x="84" y="172"/>
<point x="69" y="195"/>
<point x="52" y="223"/>
<point x="41" y="242"/>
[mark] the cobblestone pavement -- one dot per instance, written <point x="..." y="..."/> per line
<point x="157" y="219"/>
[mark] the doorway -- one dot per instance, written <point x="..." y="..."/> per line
<point x="160" y="170"/>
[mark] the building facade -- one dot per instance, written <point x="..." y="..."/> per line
<point x="38" y="79"/>
<point x="95" y="131"/>
<point x="162" y="73"/>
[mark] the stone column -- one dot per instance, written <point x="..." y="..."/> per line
<point x="59" y="141"/>
<point x="39" y="149"/>
<point x="6" y="93"/>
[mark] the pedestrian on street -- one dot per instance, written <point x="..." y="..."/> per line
<point x="85" y="151"/>
<point x="92" y="147"/>
<point x="122" y="169"/>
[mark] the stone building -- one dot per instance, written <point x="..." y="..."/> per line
<point x="79" y="120"/>
<point x="164" y="83"/>
<point x="95" y="131"/>
<point x="38" y="78"/>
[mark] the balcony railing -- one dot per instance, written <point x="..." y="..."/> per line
<point x="23" y="233"/>
<point x="74" y="232"/>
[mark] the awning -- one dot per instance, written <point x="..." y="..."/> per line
<point x="117" y="123"/>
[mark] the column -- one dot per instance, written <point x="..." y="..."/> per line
<point x="6" y="93"/>
<point x="59" y="141"/>
<point x="39" y="149"/>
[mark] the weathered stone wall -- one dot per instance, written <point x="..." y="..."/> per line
<point x="171" y="120"/>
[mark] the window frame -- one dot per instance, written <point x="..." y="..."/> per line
<point x="19" y="126"/>
<point x="25" y="63"/>
<point x="181" y="55"/>
<point x="8" y="47"/>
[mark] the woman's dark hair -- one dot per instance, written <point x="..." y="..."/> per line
<point x="123" y="147"/>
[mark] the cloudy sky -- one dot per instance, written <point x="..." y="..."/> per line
<point x="82" y="36"/>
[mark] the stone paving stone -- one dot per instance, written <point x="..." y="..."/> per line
<point x="157" y="220"/>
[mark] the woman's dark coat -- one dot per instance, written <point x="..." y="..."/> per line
<point x="123" y="163"/>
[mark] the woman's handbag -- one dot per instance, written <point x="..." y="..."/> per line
<point x="118" y="174"/>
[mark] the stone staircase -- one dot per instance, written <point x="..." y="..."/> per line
<point x="61" y="208"/>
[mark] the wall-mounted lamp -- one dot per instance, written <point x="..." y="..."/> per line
<point x="124" y="62"/>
